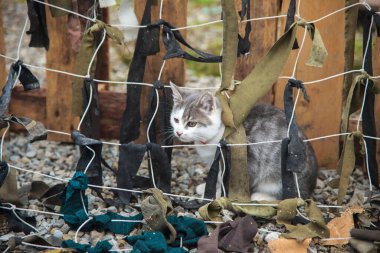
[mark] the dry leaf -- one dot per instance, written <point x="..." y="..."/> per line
<point x="340" y="226"/>
<point x="283" y="245"/>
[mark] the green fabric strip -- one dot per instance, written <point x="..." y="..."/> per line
<point x="239" y="177"/>
<point x="87" y="50"/>
<point x="261" y="79"/>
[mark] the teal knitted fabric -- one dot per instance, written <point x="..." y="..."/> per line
<point x="189" y="229"/>
<point x="151" y="242"/>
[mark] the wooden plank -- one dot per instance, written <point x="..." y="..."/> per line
<point x="174" y="12"/>
<point x="262" y="38"/>
<point x="3" y="73"/>
<point x="322" y="115"/>
<point x="35" y="101"/>
<point x="59" y="94"/>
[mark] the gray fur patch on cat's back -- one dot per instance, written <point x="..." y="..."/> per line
<point x="267" y="123"/>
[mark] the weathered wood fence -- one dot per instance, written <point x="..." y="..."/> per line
<point x="320" y="117"/>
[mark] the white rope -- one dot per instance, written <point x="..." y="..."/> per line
<point x="80" y="227"/>
<point x="92" y="158"/>
<point x="41" y="246"/>
<point x="293" y="112"/>
<point x="21" y="37"/>
<point x="17" y="77"/>
<point x="367" y="44"/>
<point x="297" y="185"/>
<point x="362" y="107"/>
<point x="2" y="141"/>
<point x="299" y="52"/>
<point x="30" y="210"/>
<point x="161" y="5"/>
<point x="86" y="110"/>
<point x="96" y="52"/>
<point x="367" y="165"/>
<point x="223" y="171"/>
<point x="66" y="10"/>
<point x="13" y="208"/>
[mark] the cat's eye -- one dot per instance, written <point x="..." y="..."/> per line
<point x="191" y="124"/>
<point x="176" y="120"/>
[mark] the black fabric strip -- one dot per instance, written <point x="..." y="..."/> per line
<point x="244" y="44"/>
<point x="38" y="27"/>
<point x="91" y="126"/>
<point x="94" y="171"/>
<point x="369" y="124"/>
<point x="290" y="19"/>
<point x="171" y="38"/>
<point x="163" y="115"/>
<point x="131" y="157"/>
<point x="146" y="44"/>
<point x="7" y="90"/>
<point x="293" y="154"/>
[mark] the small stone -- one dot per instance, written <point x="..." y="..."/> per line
<point x="112" y="209"/>
<point x="58" y="234"/>
<point x="31" y="153"/>
<point x="14" y="158"/>
<point x="272" y="236"/>
<point x="96" y="236"/>
<point x="320" y="184"/>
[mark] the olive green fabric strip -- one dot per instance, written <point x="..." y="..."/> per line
<point x="87" y="50"/>
<point x="212" y="211"/>
<point x="346" y="165"/>
<point x="9" y="191"/>
<point x="287" y="210"/>
<point x="318" y="52"/>
<point x="230" y="46"/>
<point x="155" y="207"/>
<point x="230" y="43"/>
<point x="65" y="4"/>
<point x="239" y="177"/>
<point x="261" y="78"/>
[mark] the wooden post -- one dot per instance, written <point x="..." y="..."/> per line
<point x="3" y="74"/>
<point x="322" y="116"/>
<point x="262" y="38"/>
<point x="58" y="94"/>
<point x="376" y="72"/>
<point x="174" y="12"/>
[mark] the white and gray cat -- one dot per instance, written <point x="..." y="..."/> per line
<point x="196" y="117"/>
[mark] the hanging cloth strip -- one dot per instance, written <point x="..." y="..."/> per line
<point x="130" y="159"/>
<point x="290" y="19"/>
<point x="293" y="154"/>
<point x="86" y="52"/>
<point x="368" y="116"/>
<point x="171" y="39"/>
<point x="74" y="201"/>
<point x="146" y="44"/>
<point x="38" y="26"/>
<point x="231" y="236"/>
<point x="15" y="243"/>
<point x="27" y="79"/>
<point x="94" y="171"/>
<point x="212" y="177"/>
<point x="244" y="44"/>
<point x="93" y="114"/>
<point x="163" y="115"/>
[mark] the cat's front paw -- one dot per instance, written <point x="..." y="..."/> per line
<point x="258" y="196"/>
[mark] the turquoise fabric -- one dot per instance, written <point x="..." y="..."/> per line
<point x="71" y="197"/>
<point x="103" y="222"/>
<point x="151" y="242"/>
<point x="189" y="229"/>
<point x="100" y="247"/>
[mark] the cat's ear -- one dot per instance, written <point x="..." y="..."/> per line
<point x="207" y="102"/>
<point x="177" y="97"/>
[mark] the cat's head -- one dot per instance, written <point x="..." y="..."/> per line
<point x="196" y="115"/>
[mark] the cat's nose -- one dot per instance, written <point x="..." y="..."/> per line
<point x="178" y="133"/>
